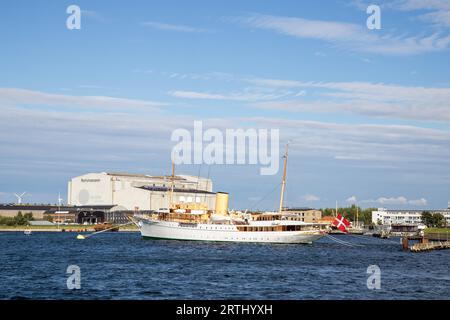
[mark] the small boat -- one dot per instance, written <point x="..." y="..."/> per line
<point x="27" y="232"/>
<point x="357" y="230"/>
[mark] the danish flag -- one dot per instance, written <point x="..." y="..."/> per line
<point x="341" y="223"/>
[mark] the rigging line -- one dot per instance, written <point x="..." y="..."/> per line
<point x="198" y="176"/>
<point x="207" y="183"/>
<point x="342" y="242"/>
<point x="373" y="238"/>
<point x="351" y="243"/>
<point x="338" y="241"/>
<point x="265" y="196"/>
<point x="345" y="242"/>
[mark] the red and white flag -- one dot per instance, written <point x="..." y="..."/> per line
<point x="341" y="223"/>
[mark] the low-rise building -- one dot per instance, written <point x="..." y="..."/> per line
<point x="303" y="214"/>
<point x="412" y="217"/>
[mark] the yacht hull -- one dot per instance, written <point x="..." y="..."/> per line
<point x="157" y="229"/>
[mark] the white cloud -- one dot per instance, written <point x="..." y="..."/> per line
<point x="378" y="100"/>
<point x="364" y="98"/>
<point x="420" y="4"/>
<point x="438" y="18"/>
<point x="351" y="199"/>
<point x="365" y="143"/>
<point x="392" y="200"/>
<point x="14" y="96"/>
<point x="197" y="95"/>
<point x="310" y="197"/>
<point x="171" y="27"/>
<point x="248" y="95"/>
<point x="418" y="202"/>
<point x="438" y="15"/>
<point x="353" y="37"/>
<point x="401" y="200"/>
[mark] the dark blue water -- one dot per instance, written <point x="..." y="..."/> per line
<point x="124" y="266"/>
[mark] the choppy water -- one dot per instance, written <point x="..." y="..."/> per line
<point x="124" y="266"/>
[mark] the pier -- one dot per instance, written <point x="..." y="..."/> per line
<point x="420" y="247"/>
<point x="428" y="242"/>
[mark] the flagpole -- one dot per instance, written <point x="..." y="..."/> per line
<point x="336" y="212"/>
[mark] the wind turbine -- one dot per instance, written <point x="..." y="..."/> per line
<point x="19" y="198"/>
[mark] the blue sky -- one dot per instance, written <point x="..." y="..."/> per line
<point x="367" y="111"/>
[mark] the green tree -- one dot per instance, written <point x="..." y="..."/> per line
<point x="439" y="220"/>
<point x="20" y="219"/>
<point x="427" y="219"/>
<point x="327" y="212"/>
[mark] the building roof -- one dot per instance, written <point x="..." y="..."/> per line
<point x="411" y="210"/>
<point x="144" y="176"/>
<point x="298" y="209"/>
<point x="180" y="190"/>
<point x="25" y="207"/>
<point x="41" y="223"/>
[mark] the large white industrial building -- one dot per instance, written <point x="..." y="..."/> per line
<point x="137" y="191"/>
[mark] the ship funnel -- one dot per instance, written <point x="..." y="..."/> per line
<point x="221" y="203"/>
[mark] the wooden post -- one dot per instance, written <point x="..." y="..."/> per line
<point x="405" y="243"/>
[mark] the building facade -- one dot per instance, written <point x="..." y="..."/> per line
<point x="303" y="214"/>
<point x="139" y="192"/>
<point x="414" y="217"/>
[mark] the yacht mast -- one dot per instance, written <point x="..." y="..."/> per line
<point x="357" y="222"/>
<point x="283" y="183"/>
<point x="172" y="185"/>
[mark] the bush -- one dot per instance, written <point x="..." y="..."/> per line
<point x="19" y="220"/>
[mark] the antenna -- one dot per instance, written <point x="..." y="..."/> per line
<point x="19" y="198"/>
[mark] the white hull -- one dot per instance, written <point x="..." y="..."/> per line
<point x="221" y="232"/>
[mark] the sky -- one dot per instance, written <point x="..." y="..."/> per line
<point x="366" y="112"/>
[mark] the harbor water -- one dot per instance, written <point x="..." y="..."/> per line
<point x="124" y="266"/>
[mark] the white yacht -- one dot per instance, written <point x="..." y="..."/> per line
<point x="194" y="221"/>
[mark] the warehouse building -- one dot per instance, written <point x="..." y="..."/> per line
<point x="139" y="192"/>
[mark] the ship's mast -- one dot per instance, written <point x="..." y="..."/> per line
<point x="172" y="185"/>
<point x="357" y="222"/>
<point x="283" y="182"/>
